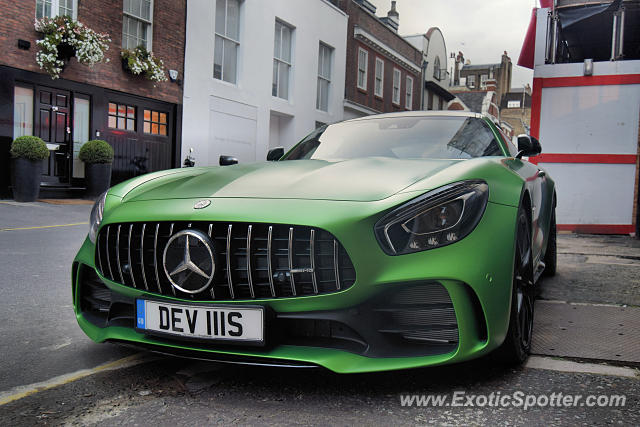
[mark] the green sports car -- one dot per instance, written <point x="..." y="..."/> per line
<point x="386" y="242"/>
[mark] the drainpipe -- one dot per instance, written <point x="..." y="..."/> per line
<point x="424" y="81"/>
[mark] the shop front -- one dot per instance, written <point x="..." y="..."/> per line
<point x="144" y="132"/>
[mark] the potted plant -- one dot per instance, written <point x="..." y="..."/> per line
<point x="65" y="38"/>
<point x="140" y="61"/>
<point x="97" y="156"/>
<point x="28" y="152"/>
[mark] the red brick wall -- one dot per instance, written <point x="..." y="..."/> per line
<point x="357" y="16"/>
<point x="168" y="44"/>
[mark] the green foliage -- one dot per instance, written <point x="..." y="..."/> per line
<point x="96" y="151"/>
<point x="29" y="147"/>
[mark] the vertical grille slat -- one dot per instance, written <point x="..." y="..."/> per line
<point x="229" y="279"/>
<point x="173" y="290"/>
<point x="290" y="254"/>
<point x="144" y="274"/>
<point x="155" y="257"/>
<point x="133" y="278"/>
<point x="212" y="290"/>
<point x="312" y="244"/>
<point x="99" y="253"/>
<point x="118" y="255"/>
<point x="336" y="263"/>
<point x="270" y="260"/>
<point x="108" y="256"/>
<point x="249" y="278"/>
<point x="252" y="261"/>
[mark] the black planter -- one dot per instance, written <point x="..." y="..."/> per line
<point x="25" y="179"/>
<point x="98" y="178"/>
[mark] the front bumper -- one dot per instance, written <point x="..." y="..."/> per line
<point x="352" y="330"/>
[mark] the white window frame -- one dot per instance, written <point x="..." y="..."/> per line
<point x="279" y="61"/>
<point x="471" y="80"/>
<point x="55" y="9"/>
<point x="397" y="85"/>
<point x="321" y="78"/>
<point x="376" y="92"/>
<point x="149" y="22"/>
<point x="364" y="69"/>
<point x="483" y="81"/>
<point x="226" y="37"/>
<point x="408" y="96"/>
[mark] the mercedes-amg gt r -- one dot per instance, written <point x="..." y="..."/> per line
<point x="385" y="242"/>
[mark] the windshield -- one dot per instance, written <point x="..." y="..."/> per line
<point x="399" y="137"/>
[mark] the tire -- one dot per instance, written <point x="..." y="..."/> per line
<point x="551" y="254"/>
<point x="517" y="345"/>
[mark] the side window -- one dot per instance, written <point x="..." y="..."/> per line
<point x="122" y="116"/>
<point x="154" y="122"/>
<point x="227" y="40"/>
<point x="363" y="59"/>
<point x="137" y="22"/>
<point x="53" y="8"/>
<point x="282" y="60"/>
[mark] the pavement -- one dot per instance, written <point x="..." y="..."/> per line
<point x="52" y="374"/>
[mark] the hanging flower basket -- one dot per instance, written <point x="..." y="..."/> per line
<point x="65" y="51"/>
<point x="65" y="38"/>
<point x="141" y="62"/>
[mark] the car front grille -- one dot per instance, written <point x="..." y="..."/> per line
<point x="252" y="260"/>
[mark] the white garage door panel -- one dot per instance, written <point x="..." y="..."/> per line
<point x="593" y="193"/>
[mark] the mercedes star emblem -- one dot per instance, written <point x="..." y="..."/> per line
<point x="202" y="204"/>
<point x="188" y="261"/>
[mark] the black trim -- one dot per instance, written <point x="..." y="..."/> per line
<point x="214" y="357"/>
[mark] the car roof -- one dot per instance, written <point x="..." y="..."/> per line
<point x="441" y="113"/>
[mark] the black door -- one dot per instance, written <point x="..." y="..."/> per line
<point x="52" y="124"/>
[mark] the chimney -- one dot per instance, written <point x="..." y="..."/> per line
<point x="458" y="66"/>
<point x="392" y="20"/>
<point x="393" y="13"/>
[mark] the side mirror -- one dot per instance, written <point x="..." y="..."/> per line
<point x="528" y="146"/>
<point x="275" y="154"/>
<point x="228" y="160"/>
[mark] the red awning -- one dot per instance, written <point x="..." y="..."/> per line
<point x="527" y="53"/>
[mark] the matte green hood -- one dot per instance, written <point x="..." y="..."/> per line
<point x="365" y="179"/>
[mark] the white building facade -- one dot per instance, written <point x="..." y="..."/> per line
<point x="260" y="74"/>
<point x="436" y="77"/>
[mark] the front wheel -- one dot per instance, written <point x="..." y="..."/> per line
<point x="517" y="344"/>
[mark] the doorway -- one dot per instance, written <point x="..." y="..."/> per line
<point x="52" y="124"/>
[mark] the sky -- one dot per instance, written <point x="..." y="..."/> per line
<point x="482" y="30"/>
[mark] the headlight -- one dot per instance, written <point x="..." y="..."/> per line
<point x="437" y="218"/>
<point x="96" y="216"/>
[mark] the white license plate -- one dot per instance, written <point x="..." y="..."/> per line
<point x="203" y="322"/>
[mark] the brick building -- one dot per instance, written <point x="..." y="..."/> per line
<point x="383" y="71"/>
<point x="476" y="76"/>
<point x="515" y="109"/>
<point x="141" y="119"/>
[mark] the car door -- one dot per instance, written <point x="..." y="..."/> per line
<point x="535" y="179"/>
